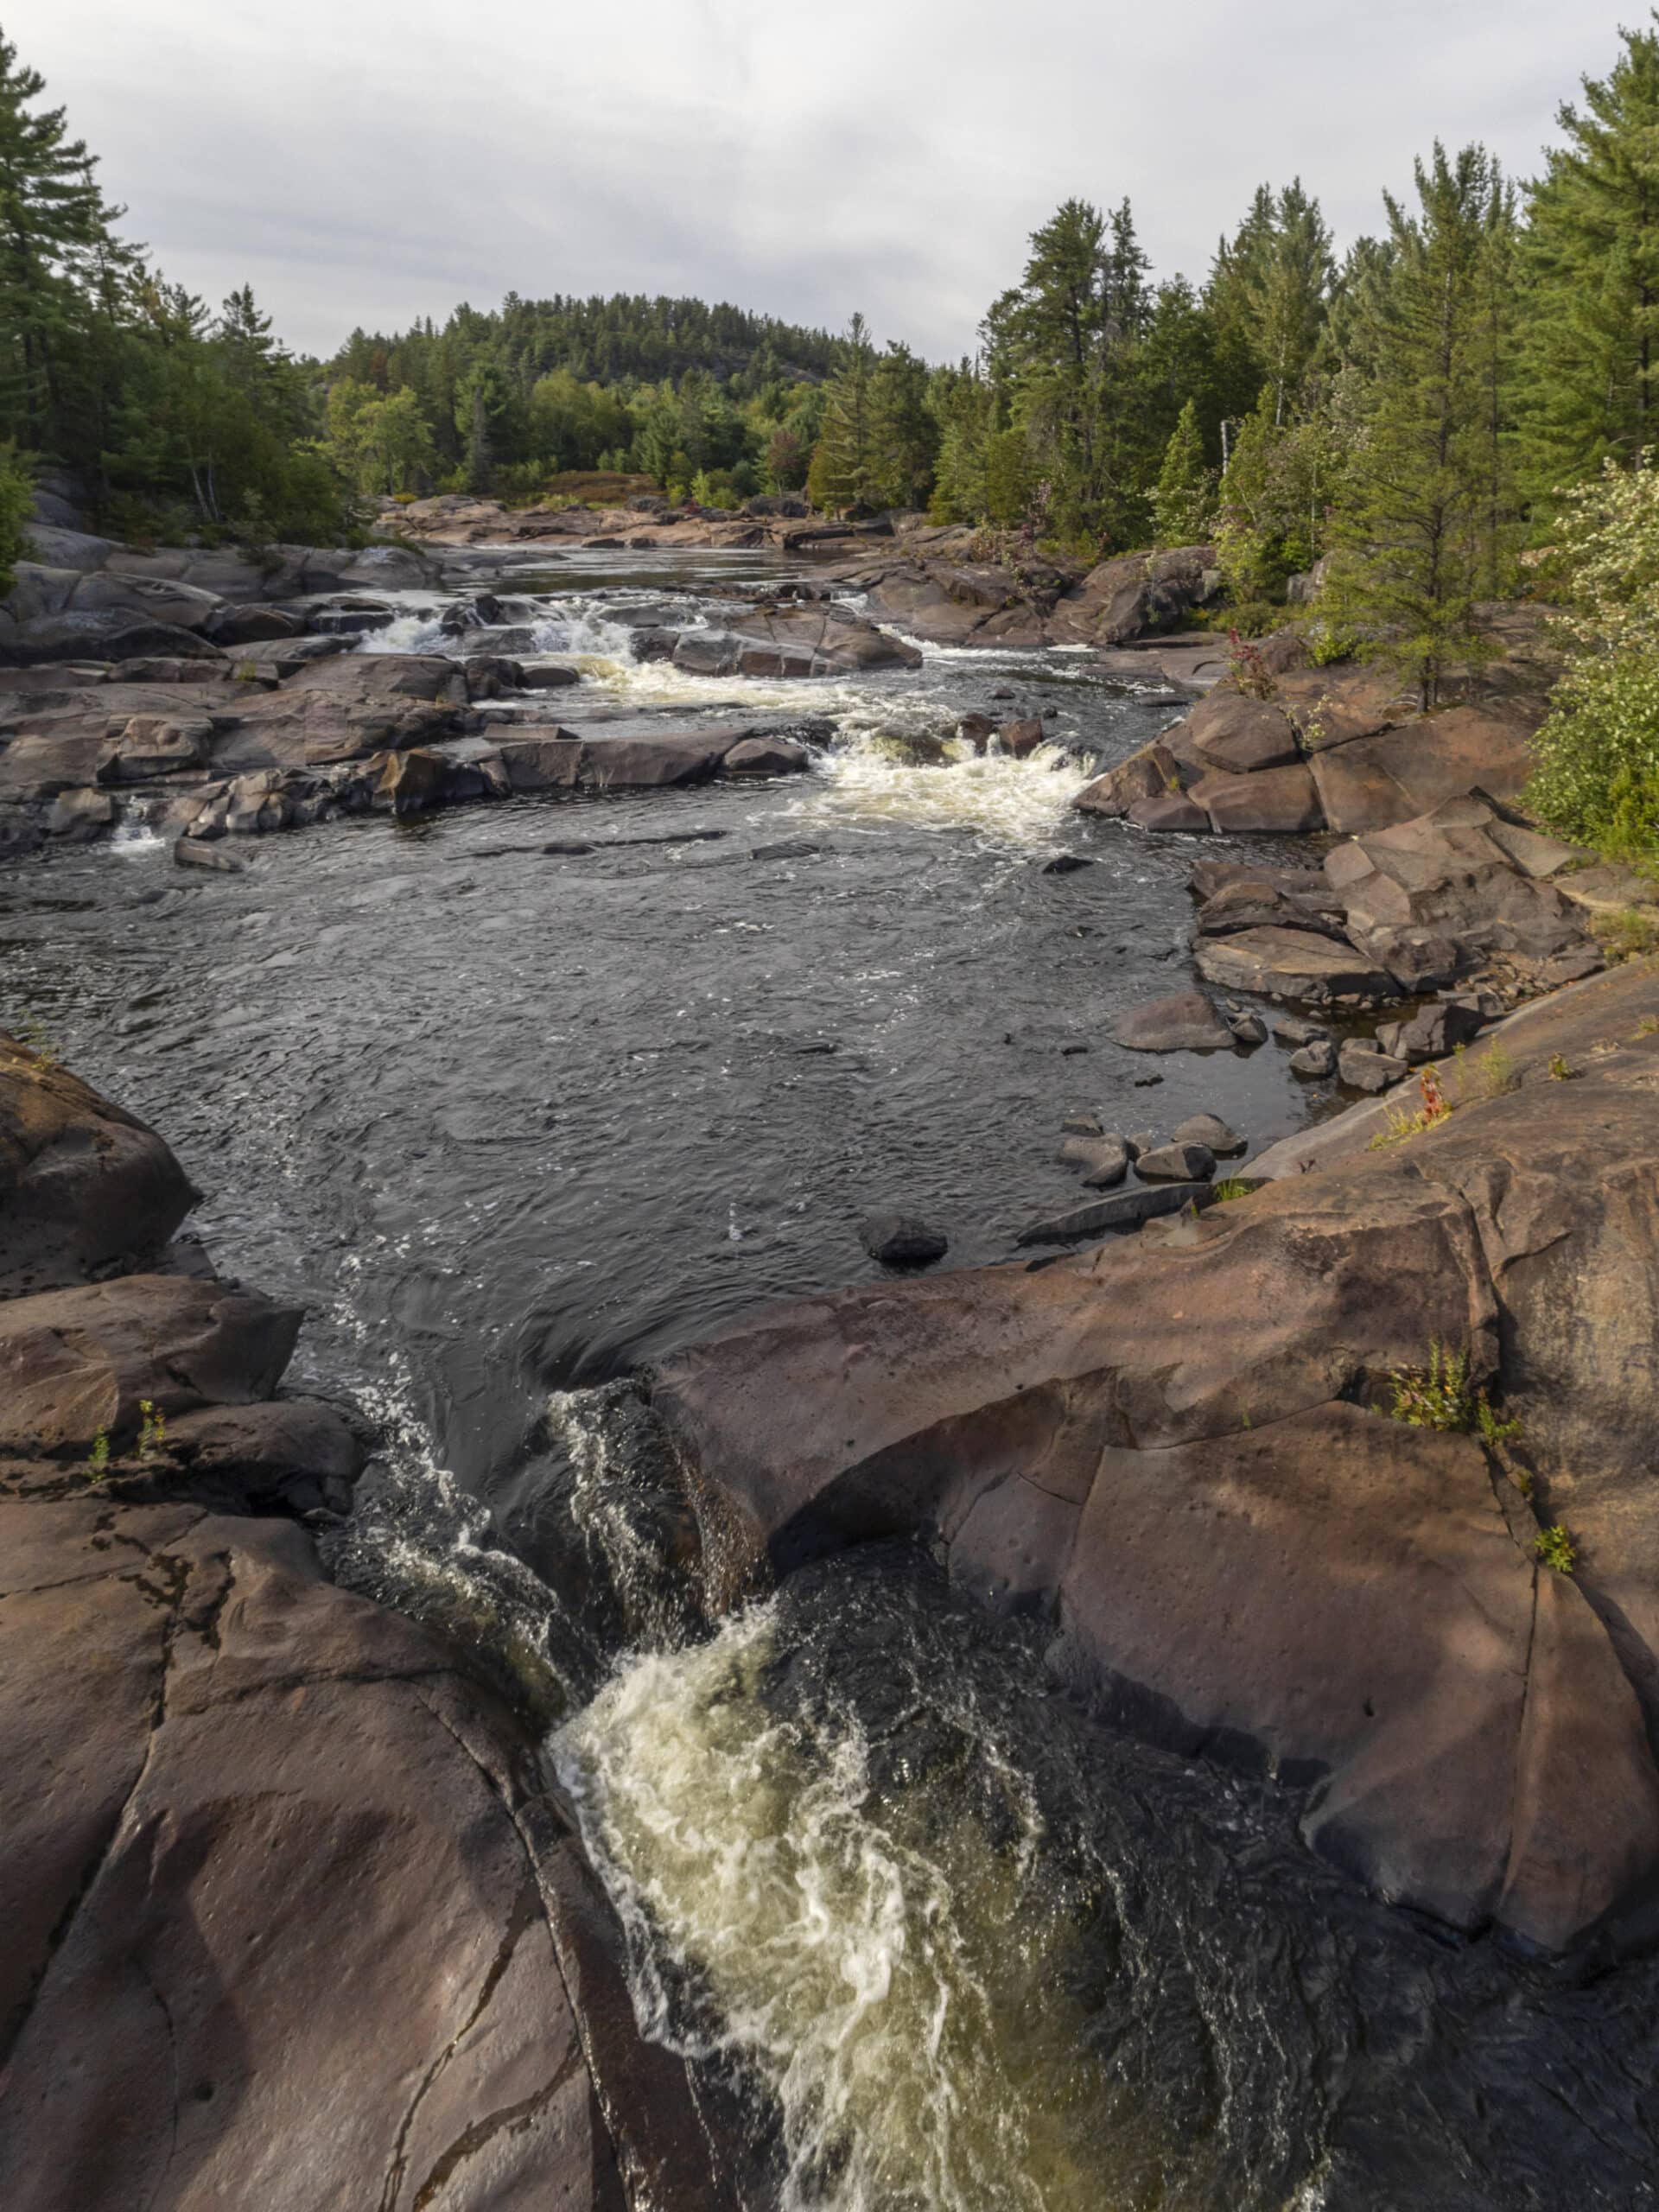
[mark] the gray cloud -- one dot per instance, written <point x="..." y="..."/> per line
<point x="370" y="164"/>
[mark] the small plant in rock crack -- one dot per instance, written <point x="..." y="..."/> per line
<point x="1435" y="1396"/>
<point x="97" y="1459"/>
<point x="1560" y="1071"/>
<point x="1231" y="1189"/>
<point x="1251" y="674"/>
<point x="1435" y="1109"/>
<point x="1490" y="1428"/>
<point x="152" y="1428"/>
<point x="1556" y="1548"/>
<point x="1649" y="1025"/>
<point x="1493" y="1075"/>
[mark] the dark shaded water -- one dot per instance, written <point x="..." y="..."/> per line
<point x="506" y="1124"/>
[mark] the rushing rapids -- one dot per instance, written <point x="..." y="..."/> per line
<point x="507" y="1122"/>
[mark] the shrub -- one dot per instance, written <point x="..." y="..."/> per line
<point x="1556" y="1548"/>
<point x="16" y="507"/>
<point x="1629" y="934"/>
<point x="1492" y="1076"/>
<point x="1400" y="1125"/>
<point x="98" y="1460"/>
<point x="1231" y="1189"/>
<point x="1251" y="674"/>
<point x="1598" y="774"/>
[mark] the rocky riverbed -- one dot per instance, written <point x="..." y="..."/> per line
<point x="1035" y="1732"/>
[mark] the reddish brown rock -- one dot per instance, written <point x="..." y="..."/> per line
<point x="85" y="1188"/>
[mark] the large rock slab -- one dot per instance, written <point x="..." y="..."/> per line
<point x="794" y="641"/>
<point x="1373" y="781"/>
<point x="1165" y="1451"/>
<point x="1290" y="963"/>
<point x="77" y="1364"/>
<point x="1277" y="802"/>
<point x="290" y="1921"/>
<point x="86" y="1188"/>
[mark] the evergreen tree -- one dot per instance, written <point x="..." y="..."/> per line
<point x="1414" y="536"/>
<point x="904" y="435"/>
<point x="53" y="220"/>
<point x="1186" y="493"/>
<point x="1591" y="258"/>
<point x="842" y="476"/>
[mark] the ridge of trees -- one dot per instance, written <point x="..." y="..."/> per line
<point x="1400" y="422"/>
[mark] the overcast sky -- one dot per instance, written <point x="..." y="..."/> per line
<point x="369" y="160"/>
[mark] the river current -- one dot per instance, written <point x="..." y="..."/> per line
<point x="508" y="1123"/>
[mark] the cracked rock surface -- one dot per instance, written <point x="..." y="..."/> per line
<point x="1175" y="1452"/>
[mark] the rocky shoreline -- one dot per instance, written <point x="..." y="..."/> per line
<point x="294" y="1917"/>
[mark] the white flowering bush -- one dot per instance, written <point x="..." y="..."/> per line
<point x="1597" y="773"/>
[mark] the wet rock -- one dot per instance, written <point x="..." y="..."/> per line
<point x="77" y="816"/>
<point x="292" y="1454"/>
<point x="1318" y="1059"/>
<point x="1083" y="1125"/>
<point x="547" y="676"/>
<point x="1150" y="773"/>
<point x="1104" y="1160"/>
<point x="85" y="1187"/>
<point x="787" y="848"/>
<point x="1182" y="1162"/>
<point x="765" y="756"/>
<point x="1246" y="1028"/>
<point x="977" y="730"/>
<point x="902" y="1240"/>
<point x="1172" y="810"/>
<point x="1209" y="1131"/>
<point x="1142" y="1141"/>
<point x="1256" y="902"/>
<point x="1126" y="1209"/>
<point x="1366" y="1067"/>
<point x="1066" y="864"/>
<point x="1296" y="1029"/>
<point x="1021" y="739"/>
<point x="197" y="853"/>
<point x="1289" y="963"/>
<point x="231" y="627"/>
<point x="1185" y="1023"/>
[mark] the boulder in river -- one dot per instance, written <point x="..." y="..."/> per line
<point x="902" y="1240"/>
<point x="1182" y="1160"/>
<point x="1185" y="1023"/>
<point x="85" y="1187"/>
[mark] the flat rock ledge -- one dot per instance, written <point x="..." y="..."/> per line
<point x="292" y="1918"/>
<point x="1174" y="1452"/>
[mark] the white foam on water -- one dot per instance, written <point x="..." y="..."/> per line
<point x="1024" y="804"/>
<point x="889" y="1983"/>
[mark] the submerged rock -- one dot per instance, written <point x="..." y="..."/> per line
<point x="902" y="1240"/>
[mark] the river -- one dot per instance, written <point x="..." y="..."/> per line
<point x="509" y="1123"/>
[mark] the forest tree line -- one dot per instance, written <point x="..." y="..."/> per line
<point x="1414" y="419"/>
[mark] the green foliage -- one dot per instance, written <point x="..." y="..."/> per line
<point x="1490" y="1430"/>
<point x="1556" y="1549"/>
<point x="97" y="1459"/>
<point x="152" y="1428"/>
<point x="1630" y="933"/>
<point x="1275" y="495"/>
<point x="1493" y="1075"/>
<point x="1591" y="266"/>
<point x="1435" y="1396"/>
<point x="1427" y="512"/>
<point x="1231" y="1189"/>
<point x="17" y="505"/>
<point x="1597" y="773"/>
<point x="1184" y="501"/>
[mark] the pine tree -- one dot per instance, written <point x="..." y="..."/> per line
<point x="1592" y="255"/>
<point x="1186" y="493"/>
<point x="841" y="476"/>
<point x="904" y="435"/>
<point x="1415" y="535"/>
<point x="53" y="220"/>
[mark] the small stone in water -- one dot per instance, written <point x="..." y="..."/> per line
<point x="901" y="1240"/>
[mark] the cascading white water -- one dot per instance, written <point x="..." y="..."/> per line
<point x="890" y="1980"/>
